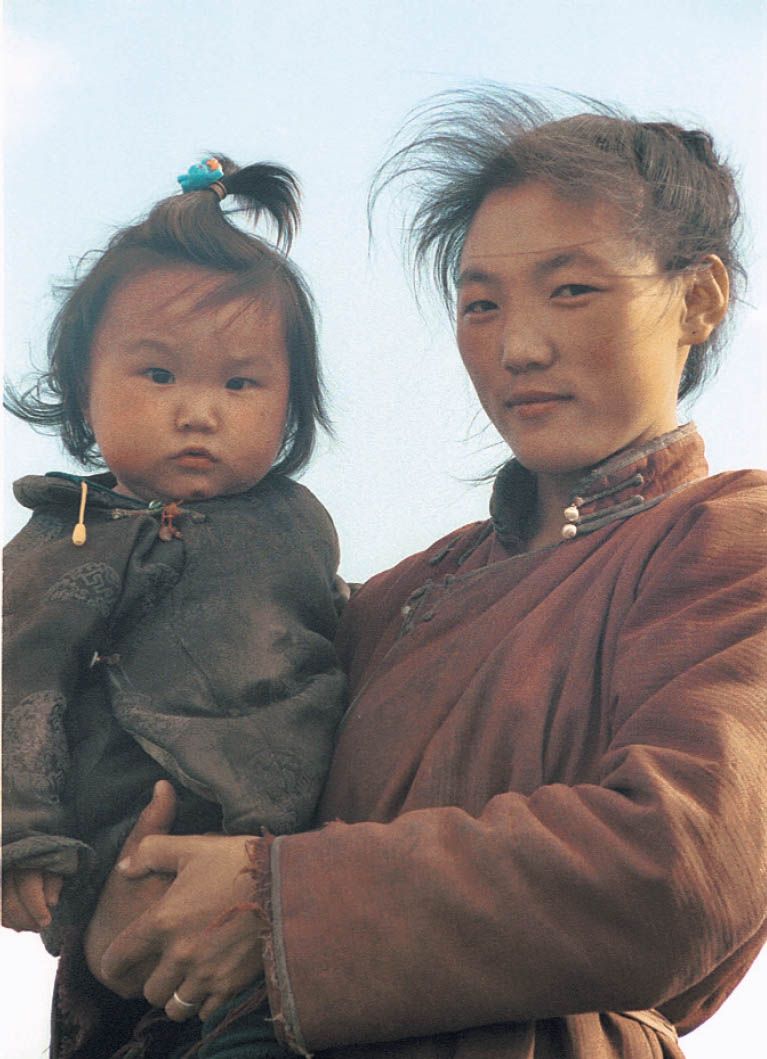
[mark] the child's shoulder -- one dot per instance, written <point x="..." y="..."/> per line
<point x="280" y="506"/>
<point x="285" y="493"/>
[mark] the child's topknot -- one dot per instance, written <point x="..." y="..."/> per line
<point x="192" y="221"/>
<point x="194" y="228"/>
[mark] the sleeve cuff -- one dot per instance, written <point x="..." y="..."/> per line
<point x="54" y="853"/>
<point x="265" y="869"/>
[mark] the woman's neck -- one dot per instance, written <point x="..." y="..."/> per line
<point x="553" y="495"/>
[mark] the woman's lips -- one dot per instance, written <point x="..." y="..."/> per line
<point x="535" y="405"/>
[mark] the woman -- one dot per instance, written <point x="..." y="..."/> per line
<point x="547" y="829"/>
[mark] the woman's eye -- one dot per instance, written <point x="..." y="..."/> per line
<point x="160" y="376"/>
<point x="480" y="305"/>
<point x="572" y="290"/>
<point x="239" y="383"/>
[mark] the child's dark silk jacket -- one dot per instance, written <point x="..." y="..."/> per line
<point x="206" y="659"/>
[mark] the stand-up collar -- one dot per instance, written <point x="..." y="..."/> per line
<point x="625" y="484"/>
<point x="59" y="487"/>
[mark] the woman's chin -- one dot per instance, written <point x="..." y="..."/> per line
<point x="558" y="465"/>
<point x="565" y="459"/>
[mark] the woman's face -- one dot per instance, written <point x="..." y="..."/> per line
<point x="573" y="339"/>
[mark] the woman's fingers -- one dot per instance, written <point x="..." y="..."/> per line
<point x="164" y="980"/>
<point x="156" y="818"/>
<point x="212" y="1003"/>
<point x="179" y="1009"/>
<point x="157" y="853"/>
<point x="122" y="900"/>
<point x="135" y="946"/>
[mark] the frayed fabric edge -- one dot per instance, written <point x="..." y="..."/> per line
<point x="264" y="870"/>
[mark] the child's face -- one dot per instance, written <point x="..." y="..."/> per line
<point x="187" y="403"/>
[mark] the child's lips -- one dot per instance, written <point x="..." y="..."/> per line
<point x="195" y="459"/>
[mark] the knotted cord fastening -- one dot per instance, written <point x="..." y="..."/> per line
<point x="79" y="533"/>
<point x="168" y="531"/>
<point x="576" y="523"/>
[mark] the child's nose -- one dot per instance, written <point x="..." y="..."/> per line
<point x="196" y="412"/>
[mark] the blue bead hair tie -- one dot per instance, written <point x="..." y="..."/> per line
<point x="202" y="175"/>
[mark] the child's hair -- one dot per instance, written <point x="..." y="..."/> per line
<point x="189" y="229"/>
<point x="676" y="197"/>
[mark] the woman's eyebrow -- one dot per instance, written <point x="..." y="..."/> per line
<point x="473" y="275"/>
<point x="566" y="257"/>
<point x="561" y="258"/>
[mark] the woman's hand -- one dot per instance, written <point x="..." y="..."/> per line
<point x="123" y="900"/>
<point x="205" y="955"/>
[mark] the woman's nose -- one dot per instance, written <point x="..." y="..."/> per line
<point x="525" y="346"/>
<point x="196" y="411"/>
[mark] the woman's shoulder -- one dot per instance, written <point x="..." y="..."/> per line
<point x="740" y="481"/>
<point x="731" y="503"/>
<point x="702" y="538"/>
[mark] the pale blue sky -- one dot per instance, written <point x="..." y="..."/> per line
<point x="109" y="101"/>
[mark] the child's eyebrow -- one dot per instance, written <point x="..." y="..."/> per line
<point x="248" y="357"/>
<point x="148" y="345"/>
<point x="256" y="357"/>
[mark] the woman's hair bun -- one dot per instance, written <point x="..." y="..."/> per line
<point x="698" y="142"/>
<point x="701" y="145"/>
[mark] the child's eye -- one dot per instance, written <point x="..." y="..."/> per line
<point x="572" y="290"/>
<point x="477" y="307"/>
<point x="160" y="376"/>
<point x="239" y="383"/>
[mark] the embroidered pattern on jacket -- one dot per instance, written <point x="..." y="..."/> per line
<point x="94" y="584"/>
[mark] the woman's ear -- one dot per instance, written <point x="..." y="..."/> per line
<point x="705" y="301"/>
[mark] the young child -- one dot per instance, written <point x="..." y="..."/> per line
<point x="174" y="617"/>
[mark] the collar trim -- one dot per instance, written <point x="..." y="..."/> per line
<point x="623" y="485"/>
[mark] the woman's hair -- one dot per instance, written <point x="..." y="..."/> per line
<point x="183" y="230"/>
<point x="675" y="196"/>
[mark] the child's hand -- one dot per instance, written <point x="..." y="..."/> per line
<point x="28" y="896"/>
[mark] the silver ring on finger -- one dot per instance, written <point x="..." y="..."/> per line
<point x="184" y="1003"/>
<point x="180" y="1010"/>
